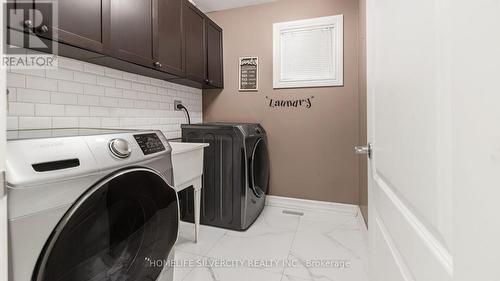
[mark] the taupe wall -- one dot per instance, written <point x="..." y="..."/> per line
<point x="363" y="176"/>
<point x="311" y="150"/>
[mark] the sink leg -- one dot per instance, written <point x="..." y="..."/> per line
<point x="197" y="202"/>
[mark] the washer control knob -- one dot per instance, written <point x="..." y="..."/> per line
<point x="120" y="148"/>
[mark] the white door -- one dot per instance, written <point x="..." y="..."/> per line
<point x="3" y="121"/>
<point x="475" y="87"/>
<point x="409" y="125"/>
<point x="434" y="122"/>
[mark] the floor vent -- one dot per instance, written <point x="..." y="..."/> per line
<point x="294" y="213"/>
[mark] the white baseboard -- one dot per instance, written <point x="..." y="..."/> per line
<point x="304" y="204"/>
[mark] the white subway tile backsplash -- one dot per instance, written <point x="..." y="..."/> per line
<point x="77" y="110"/>
<point x="80" y="94"/>
<point x="128" y="122"/>
<point x="85" y="78"/>
<point x="105" y="81"/>
<point x="157" y="82"/>
<point x="12" y="92"/>
<point x="166" y="99"/>
<point x="130" y="76"/>
<point x="89" y="122"/>
<point x="162" y="91"/>
<point x="142" y="96"/>
<point x="12" y="123"/>
<point x="113" y="73"/>
<point x="64" y="122"/>
<point x="88" y="100"/>
<point x="142" y="121"/>
<point x="63" y="98"/>
<point x="113" y="92"/>
<point x="70" y="87"/>
<point x="35" y="122"/>
<point x="60" y="74"/>
<point x="100" y="111"/>
<point x="155" y="97"/>
<point x="166" y="106"/>
<point x="41" y="83"/>
<point x="140" y="104"/>
<point x="122" y="84"/>
<point x="153" y="105"/>
<point x="32" y="96"/>
<point x="144" y="79"/>
<point x="95" y="69"/>
<point x="151" y="89"/>
<point x="129" y="94"/>
<point x="115" y="112"/>
<point x="172" y="93"/>
<point x="93" y="90"/>
<point x="16" y="80"/>
<point x="107" y="101"/>
<point x="166" y="84"/>
<point x="125" y="103"/>
<point x="31" y="72"/>
<point x="138" y="87"/>
<point x="110" y="122"/>
<point x="49" y="110"/>
<point x="21" y="109"/>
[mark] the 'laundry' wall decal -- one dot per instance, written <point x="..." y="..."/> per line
<point x="305" y="102"/>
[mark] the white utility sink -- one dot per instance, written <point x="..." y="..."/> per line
<point x="187" y="161"/>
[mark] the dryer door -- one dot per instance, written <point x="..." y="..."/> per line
<point x="122" y="229"/>
<point x="259" y="168"/>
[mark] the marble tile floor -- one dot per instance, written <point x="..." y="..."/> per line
<point x="318" y="245"/>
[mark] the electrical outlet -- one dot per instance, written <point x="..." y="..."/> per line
<point x="176" y="102"/>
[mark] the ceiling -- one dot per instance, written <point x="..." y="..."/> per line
<point x="217" y="5"/>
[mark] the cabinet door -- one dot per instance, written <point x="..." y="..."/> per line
<point x="79" y="23"/>
<point x="214" y="55"/>
<point x="131" y="32"/>
<point x="169" y="37"/>
<point x="194" y="32"/>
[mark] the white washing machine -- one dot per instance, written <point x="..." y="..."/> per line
<point x="90" y="204"/>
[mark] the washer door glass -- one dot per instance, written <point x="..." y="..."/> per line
<point x="116" y="231"/>
<point x="259" y="168"/>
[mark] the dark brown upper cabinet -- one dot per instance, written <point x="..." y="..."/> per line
<point x="165" y="39"/>
<point x="215" y="75"/>
<point x="131" y="31"/>
<point x="169" y="37"/>
<point x="194" y="32"/>
<point x="79" y="23"/>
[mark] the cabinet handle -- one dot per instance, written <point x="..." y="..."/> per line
<point x="158" y="64"/>
<point x="28" y="24"/>
<point x="207" y="81"/>
<point x="43" y="29"/>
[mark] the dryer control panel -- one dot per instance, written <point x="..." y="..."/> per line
<point x="149" y="143"/>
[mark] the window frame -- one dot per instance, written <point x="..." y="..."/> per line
<point x="338" y="34"/>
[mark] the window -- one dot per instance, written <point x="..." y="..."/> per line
<point x="308" y="53"/>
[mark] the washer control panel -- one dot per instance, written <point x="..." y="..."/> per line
<point x="149" y="143"/>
